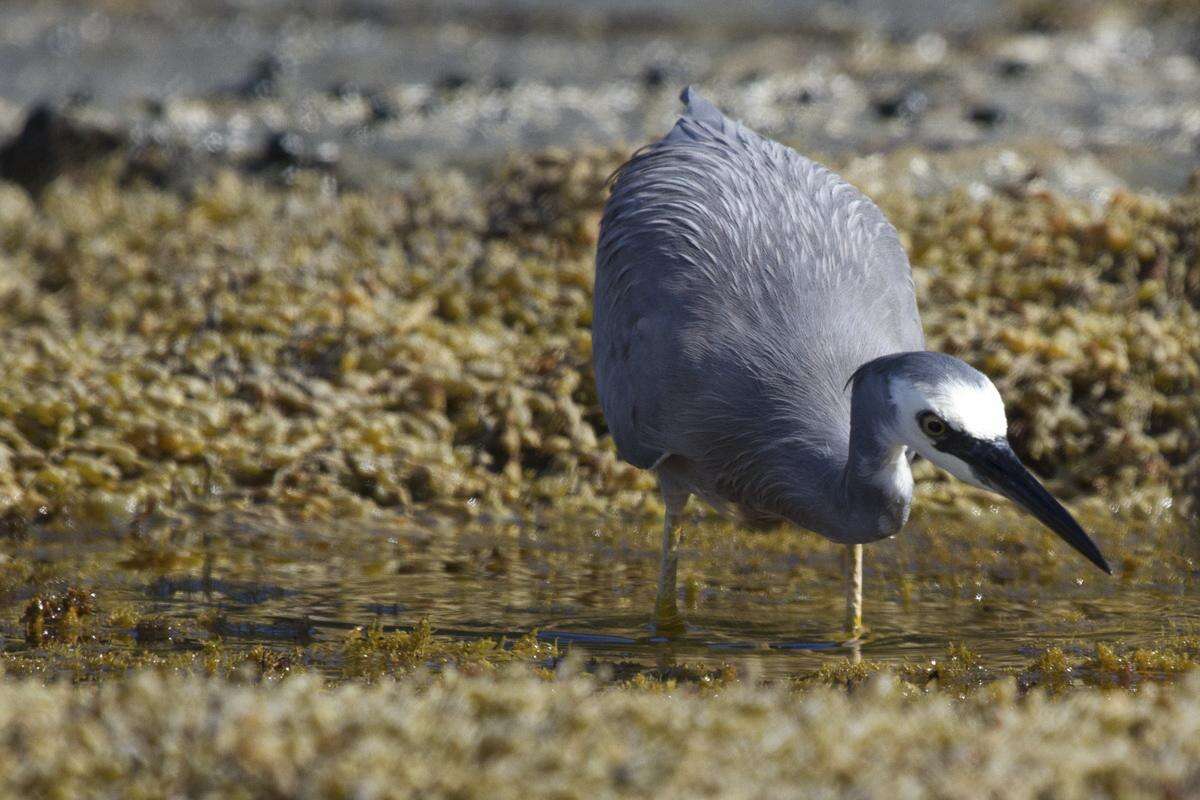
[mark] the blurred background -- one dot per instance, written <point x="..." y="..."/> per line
<point x="1105" y="92"/>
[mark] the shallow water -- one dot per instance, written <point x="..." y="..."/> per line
<point x="769" y="604"/>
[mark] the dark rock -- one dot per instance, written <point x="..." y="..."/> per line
<point x="285" y="149"/>
<point x="154" y="106"/>
<point x="381" y="108"/>
<point x="262" y="80"/>
<point x="985" y="115"/>
<point x="346" y="90"/>
<point x="910" y="103"/>
<point x="50" y="143"/>
<point x="1012" y="67"/>
<point x="654" y="76"/>
<point x="453" y="81"/>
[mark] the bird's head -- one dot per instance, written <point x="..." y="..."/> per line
<point x="952" y="415"/>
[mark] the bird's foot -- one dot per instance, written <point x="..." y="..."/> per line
<point x="667" y="620"/>
<point x="855" y="635"/>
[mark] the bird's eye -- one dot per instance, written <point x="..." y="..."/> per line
<point x="931" y="424"/>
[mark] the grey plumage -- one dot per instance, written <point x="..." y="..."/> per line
<point x="756" y="342"/>
<point x="739" y="285"/>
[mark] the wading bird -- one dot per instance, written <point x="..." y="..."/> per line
<point x="757" y="343"/>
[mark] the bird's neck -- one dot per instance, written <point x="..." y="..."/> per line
<point x="877" y="494"/>
<point x="864" y="499"/>
<point x="876" y="486"/>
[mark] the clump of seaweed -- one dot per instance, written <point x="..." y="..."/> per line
<point x="57" y="617"/>
<point x="371" y="652"/>
<point x="373" y="352"/>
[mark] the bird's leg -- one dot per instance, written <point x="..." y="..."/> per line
<point x="667" y="620"/>
<point x="854" y="580"/>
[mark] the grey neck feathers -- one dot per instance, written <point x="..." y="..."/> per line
<point x="876" y="486"/>
<point x="865" y="493"/>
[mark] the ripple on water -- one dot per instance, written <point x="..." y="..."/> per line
<point x="768" y="604"/>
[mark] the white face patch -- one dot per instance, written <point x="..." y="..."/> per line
<point x="974" y="409"/>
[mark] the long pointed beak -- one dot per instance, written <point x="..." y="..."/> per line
<point x="997" y="467"/>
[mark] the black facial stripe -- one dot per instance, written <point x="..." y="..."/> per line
<point x="976" y="452"/>
<point x="954" y="442"/>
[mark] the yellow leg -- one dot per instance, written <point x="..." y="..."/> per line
<point x="854" y="581"/>
<point x="667" y="620"/>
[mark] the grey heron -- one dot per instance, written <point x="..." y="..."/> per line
<point x="757" y="343"/>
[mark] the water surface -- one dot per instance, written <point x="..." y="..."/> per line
<point x="769" y="604"/>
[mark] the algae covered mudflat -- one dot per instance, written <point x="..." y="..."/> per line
<point x="271" y="415"/>
<point x="304" y="489"/>
<point x="347" y="353"/>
